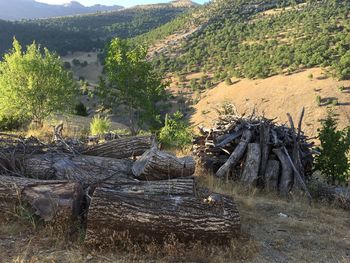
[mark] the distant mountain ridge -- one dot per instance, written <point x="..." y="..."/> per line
<point x="30" y="9"/>
<point x="174" y="3"/>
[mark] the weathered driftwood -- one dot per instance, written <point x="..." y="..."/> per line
<point x="87" y="170"/>
<point x="158" y="165"/>
<point x="251" y="166"/>
<point x="338" y="195"/>
<point x="236" y="155"/>
<point x="178" y="187"/>
<point x="286" y="179"/>
<point x="271" y="175"/>
<point x="156" y="217"/>
<point x="57" y="201"/>
<point x="121" y="148"/>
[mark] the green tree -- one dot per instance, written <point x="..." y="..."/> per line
<point x="34" y="84"/>
<point x="132" y="83"/>
<point x="334" y="149"/>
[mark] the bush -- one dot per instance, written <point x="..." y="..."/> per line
<point x="10" y="123"/>
<point x="99" y="125"/>
<point x="334" y="149"/>
<point x="318" y="100"/>
<point x="175" y="133"/>
<point x="228" y="81"/>
<point x="81" y="110"/>
<point x="67" y="65"/>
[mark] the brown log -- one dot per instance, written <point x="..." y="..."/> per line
<point x="265" y="148"/>
<point x="286" y="180"/>
<point x="121" y="148"/>
<point x="251" y="165"/>
<point x="156" y="217"/>
<point x="87" y="170"/>
<point x="58" y="201"/>
<point x="236" y="155"/>
<point x="271" y="175"/>
<point x="178" y="187"/>
<point x="158" y="165"/>
<point x="336" y="194"/>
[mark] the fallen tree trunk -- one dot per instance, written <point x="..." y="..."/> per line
<point x="121" y="148"/>
<point x="158" y="165"/>
<point x="57" y="201"/>
<point x="252" y="164"/>
<point x="179" y="187"/>
<point x="236" y="155"/>
<point x="156" y="217"/>
<point x="87" y="170"/>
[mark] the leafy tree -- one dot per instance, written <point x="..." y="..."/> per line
<point x="132" y="83"/>
<point x="34" y="84"/>
<point x="335" y="146"/>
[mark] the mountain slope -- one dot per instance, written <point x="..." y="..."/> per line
<point x="30" y="9"/>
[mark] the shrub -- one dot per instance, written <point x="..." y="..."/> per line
<point x="318" y="100"/>
<point x="9" y="123"/>
<point x="334" y="149"/>
<point x="335" y="102"/>
<point x="76" y="62"/>
<point x="310" y="76"/>
<point x="341" y="88"/>
<point x="99" y="125"/>
<point x="175" y="133"/>
<point x="81" y="110"/>
<point x="67" y="65"/>
<point x="228" y="81"/>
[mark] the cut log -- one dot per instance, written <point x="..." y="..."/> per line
<point x="58" y="201"/>
<point x="87" y="170"/>
<point x="271" y="175"/>
<point x="251" y="166"/>
<point x="265" y="148"/>
<point x="178" y="187"/>
<point x="336" y="194"/>
<point x="158" y="165"/>
<point x="121" y="148"/>
<point x="157" y="217"/>
<point x="286" y="179"/>
<point x="236" y="155"/>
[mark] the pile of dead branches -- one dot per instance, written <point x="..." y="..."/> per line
<point x="257" y="151"/>
<point x="122" y="186"/>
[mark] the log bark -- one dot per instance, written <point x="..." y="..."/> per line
<point x="58" y="201"/>
<point x="87" y="170"/>
<point x="157" y="217"/>
<point x="236" y="155"/>
<point x="178" y="187"/>
<point x="121" y="148"/>
<point x="251" y="166"/>
<point x="158" y="165"/>
<point x="271" y="175"/>
<point x="286" y="179"/>
<point x="265" y="148"/>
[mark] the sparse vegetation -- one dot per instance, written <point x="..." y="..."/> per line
<point x="100" y="125"/>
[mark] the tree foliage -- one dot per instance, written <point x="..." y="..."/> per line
<point x="34" y="84"/>
<point x="132" y="83"/>
<point x="333" y="159"/>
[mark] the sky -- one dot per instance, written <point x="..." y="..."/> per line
<point x="126" y="3"/>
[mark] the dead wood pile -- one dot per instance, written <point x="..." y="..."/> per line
<point x="125" y="185"/>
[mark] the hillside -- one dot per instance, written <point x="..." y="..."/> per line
<point x="70" y="34"/>
<point x="30" y="9"/>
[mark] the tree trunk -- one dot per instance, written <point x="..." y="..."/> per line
<point x="87" y="170"/>
<point x="252" y="164"/>
<point x="58" y="201"/>
<point x="271" y="175"/>
<point x="121" y="148"/>
<point x="179" y="187"/>
<point x="156" y="217"/>
<point x="236" y="155"/>
<point x="157" y="165"/>
<point x="286" y="180"/>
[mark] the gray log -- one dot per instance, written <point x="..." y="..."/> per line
<point x="87" y="170"/>
<point x="271" y="175"/>
<point x="156" y="217"/>
<point x="287" y="179"/>
<point x="251" y="166"/>
<point x="121" y="148"/>
<point x="236" y="155"/>
<point x="265" y="148"/>
<point x="158" y="165"/>
<point x="58" y="201"/>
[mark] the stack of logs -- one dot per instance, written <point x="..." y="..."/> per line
<point x="114" y="190"/>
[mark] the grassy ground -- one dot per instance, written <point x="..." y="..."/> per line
<point x="320" y="233"/>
